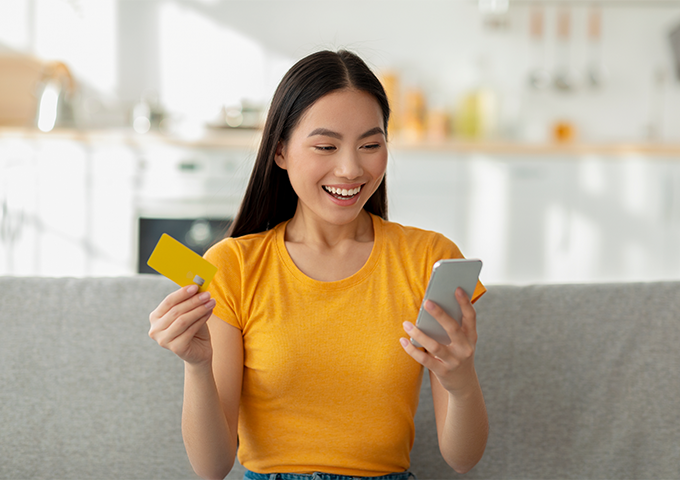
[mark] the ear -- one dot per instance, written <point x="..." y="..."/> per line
<point x="279" y="156"/>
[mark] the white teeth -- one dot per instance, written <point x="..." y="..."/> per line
<point x="343" y="191"/>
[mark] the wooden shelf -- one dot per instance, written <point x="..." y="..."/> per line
<point x="518" y="148"/>
<point x="249" y="139"/>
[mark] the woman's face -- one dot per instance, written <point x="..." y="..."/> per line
<point x="336" y="156"/>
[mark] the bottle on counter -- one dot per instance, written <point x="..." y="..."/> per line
<point x="477" y="115"/>
<point x="391" y="84"/>
<point x="415" y="114"/>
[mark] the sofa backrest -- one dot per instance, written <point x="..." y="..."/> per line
<point x="85" y="392"/>
<point x="580" y="381"/>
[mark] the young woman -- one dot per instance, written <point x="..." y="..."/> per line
<point x="301" y="358"/>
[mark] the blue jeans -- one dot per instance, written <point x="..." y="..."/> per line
<point x="322" y="476"/>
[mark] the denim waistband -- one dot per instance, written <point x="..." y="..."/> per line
<point x="323" y="476"/>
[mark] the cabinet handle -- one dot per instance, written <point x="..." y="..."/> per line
<point x="10" y="224"/>
<point x="189" y="166"/>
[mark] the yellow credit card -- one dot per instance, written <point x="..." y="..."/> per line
<point x="181" y="264"/>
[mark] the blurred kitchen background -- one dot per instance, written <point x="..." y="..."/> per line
<point x="542" y="136"/>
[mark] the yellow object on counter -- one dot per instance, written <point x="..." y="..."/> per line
<point x="438" y="125"/>
<point x="564" y="132"/>
<point x="415" y="114"/>
<point x="390" y="82"/>
<point x="476" y="117"/>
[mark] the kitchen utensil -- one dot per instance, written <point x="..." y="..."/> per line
<point x="657" y="104"/>
<point x="674" y="38"/>
<point x="55" y="97"/>
<point x="597" y="72"/>
<point x="539" y="77"/>
<point x="415" y="114"/>
<point x="564" y="80"/>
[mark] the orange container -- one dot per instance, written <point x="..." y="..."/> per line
<point x="564" y="132"/>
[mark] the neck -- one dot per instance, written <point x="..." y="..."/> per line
<point x="313" y="231"/>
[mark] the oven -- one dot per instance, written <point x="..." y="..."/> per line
<point x="192" y="193"/>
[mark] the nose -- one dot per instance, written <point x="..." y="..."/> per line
<point x="349" y="165"/>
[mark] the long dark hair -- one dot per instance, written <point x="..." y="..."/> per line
<point x="270" y="198"/>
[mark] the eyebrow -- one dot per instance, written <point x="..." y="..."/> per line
<point x="330" y="133"/>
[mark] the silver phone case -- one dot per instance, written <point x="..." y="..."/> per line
<point x="447" y="276"/>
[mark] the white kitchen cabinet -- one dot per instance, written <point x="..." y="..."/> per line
<point x="61" y="213"/>
<point x="110" y="213"/>
<point x="72" y="205"/>
<point x="67" y="207"/>
<point x="191" y="182"/>
<point x="18" y="205"/>
<point x="547" y="218"/>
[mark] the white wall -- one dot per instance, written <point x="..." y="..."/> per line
<point x="435" y="44"/>
<point x="538" y="219"/>
<point x="438" y="45"/>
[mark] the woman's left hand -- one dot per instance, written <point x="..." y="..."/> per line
<point x="453" y="364"/>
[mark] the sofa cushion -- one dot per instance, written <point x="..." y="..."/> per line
<point x="580" y="381"/>
<point x="85" y="392"/>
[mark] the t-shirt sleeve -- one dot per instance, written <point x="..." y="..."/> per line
<point x="443" y="248"/>
<point x="225" y="287"/>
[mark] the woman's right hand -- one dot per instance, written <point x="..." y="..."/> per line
<point x="179" y="324"/>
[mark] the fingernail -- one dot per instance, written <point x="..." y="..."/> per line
<point x="408" y="326"/>
<point x="429" y="305"/>
<point x="404" y="342"/>
<point x="211" y="304"/>
<point x="192" y="289"/>
<point x="204" y="296"/>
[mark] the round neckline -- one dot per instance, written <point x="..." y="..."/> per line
<point x="357" y="277"/>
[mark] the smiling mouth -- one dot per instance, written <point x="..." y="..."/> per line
<point x="343" y="193"/>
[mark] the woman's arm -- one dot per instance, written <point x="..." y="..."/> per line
<point x="462" y="423"/>
<point x="211" y="402"/>
<point x="210" y="411"/>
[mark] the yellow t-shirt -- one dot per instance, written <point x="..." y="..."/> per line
<point x="326" y="385"/>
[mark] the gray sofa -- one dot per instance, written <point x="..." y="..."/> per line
<point x="581" y="381"/>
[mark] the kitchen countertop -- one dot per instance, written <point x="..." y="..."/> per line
<point x="249" y="139"/>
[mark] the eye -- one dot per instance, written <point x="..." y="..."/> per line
<point x="324" y="148"/>
<point x="371" y="146"/>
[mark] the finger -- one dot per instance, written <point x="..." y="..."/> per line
<point x="185" y="327"/>
<point x="188" y="318"/>
<point x="179" y="343"/>
<point x="179" y="318"/>
<point x="460" y="338"/>
<point x="431" y="345"/>
<point x="448" y="323"/>
<point x="198" y="325"/>
<point x="187" y="306"/>
<point x="173" y="299"/>
<point x="182" y="314"/>
<point x="469" y="320"/>
<point x="422" y="357"/>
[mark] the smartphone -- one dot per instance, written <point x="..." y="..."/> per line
<point x="447" y="276"/>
